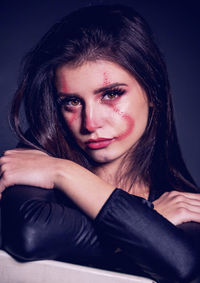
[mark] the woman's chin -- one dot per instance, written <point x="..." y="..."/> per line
<point x="101" y="158"/>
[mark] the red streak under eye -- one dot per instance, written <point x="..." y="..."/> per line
<point x="111" y="102"/>
<point x="130" y="124"/>
<point x="129" y="129"/>
<point x="72" y="118"/>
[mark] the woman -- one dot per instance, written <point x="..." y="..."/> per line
<point x="97" y="102"/>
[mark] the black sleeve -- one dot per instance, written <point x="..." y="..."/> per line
<point x="147" y="238"/>
<point x="35" y="225"/>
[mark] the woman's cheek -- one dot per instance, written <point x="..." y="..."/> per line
<point x="70" y="118"/>
<point x="129" y="121"/>
<point x="129" y="127"/>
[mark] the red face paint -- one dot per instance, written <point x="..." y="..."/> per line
<point x="130" y="124"/>
<point x="105" y="80"/>
<point x="73" y="116"/>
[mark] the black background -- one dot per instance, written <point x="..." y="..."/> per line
<point x="176" y="25"/>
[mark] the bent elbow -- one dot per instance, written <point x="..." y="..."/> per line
<point x="25" y="245"/>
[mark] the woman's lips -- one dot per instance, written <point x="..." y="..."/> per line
<point x="98" y="143"/>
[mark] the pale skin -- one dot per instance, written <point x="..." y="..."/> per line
<point x="93" y="114"/>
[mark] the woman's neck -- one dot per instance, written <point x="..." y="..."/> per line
<point x="109" y="172"/>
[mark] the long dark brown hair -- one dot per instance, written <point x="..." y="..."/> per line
<point x="115" y="33"/>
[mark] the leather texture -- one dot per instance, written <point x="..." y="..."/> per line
<point x="126" y="236"/>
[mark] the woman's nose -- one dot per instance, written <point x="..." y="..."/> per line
<point x="92" y="117"/>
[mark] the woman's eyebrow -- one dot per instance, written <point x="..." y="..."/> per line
<point x="67" y="94"/>
<point x="99" y="90"/>
<point x="108" y="87"/>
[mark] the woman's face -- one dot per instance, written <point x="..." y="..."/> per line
<point x="104" y="106"/>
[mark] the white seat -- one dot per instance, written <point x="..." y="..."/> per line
<point x="51" y="271"/>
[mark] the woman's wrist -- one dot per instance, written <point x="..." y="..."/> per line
<point x="60" y="172"/>
<point x="86" y="189"/>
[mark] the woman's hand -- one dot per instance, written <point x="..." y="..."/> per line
<point x="35" y="168"/>
<point x="27" y="167"/>
<point x="179" y="207"/>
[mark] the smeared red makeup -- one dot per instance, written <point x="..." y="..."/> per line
<point x="129" y="123"/>
<point x="73" y="117"/>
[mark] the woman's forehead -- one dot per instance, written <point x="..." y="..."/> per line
<point x="97" y="73"/>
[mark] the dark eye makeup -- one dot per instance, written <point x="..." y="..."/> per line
<point x="74" y="101"/>
<point x="111" y="94"/>
<point x="65" y="101"/>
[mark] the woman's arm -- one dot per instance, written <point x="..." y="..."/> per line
<point x="35" y="168"/>
<point x="142" y="233"/>
<point x="35" y="225"/>
<point x="159" y="247"/>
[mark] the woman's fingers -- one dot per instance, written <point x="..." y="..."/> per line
<point x="192" y="196"/>
<point x="187" y="215"/>
<point x="2" y="160"/>
<point x="194" y="206"/>
<point x="181" y="195"/>
<point x="179" y="207"/>
<point x="187" y="202"/>
<point x="28" y="167"/>
<point x="2" y="186"/>
<point x="23" y="151"/>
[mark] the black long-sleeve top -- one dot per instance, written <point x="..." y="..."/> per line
<point x="127" y="234"/>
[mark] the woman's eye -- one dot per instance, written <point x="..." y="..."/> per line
<point x="112" y="94"/>
<point x="69" y="103"/>
<point x="72" y="102"/>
